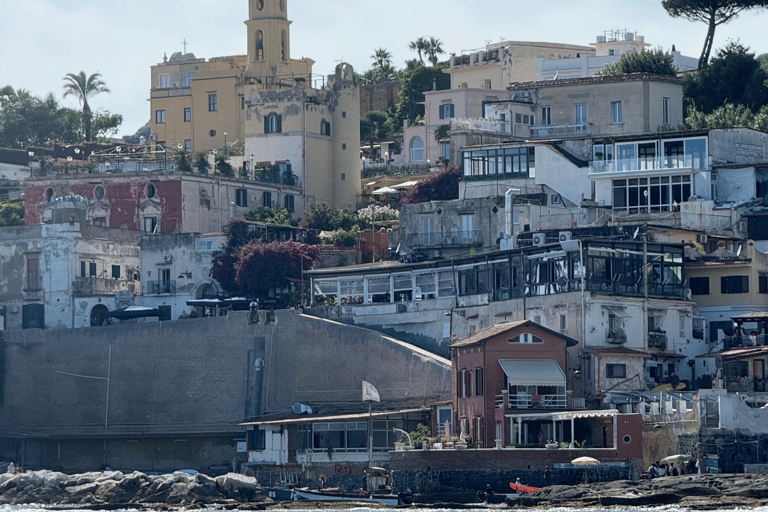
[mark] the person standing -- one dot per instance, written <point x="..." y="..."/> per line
<point x="547" y="476"/>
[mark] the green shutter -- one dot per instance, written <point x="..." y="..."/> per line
<point x="279" y="124"/>
<point x="266" y="124"/>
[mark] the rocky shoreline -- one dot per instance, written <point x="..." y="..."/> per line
<point x="115" y="490"/>
<point x="694" y="492"/>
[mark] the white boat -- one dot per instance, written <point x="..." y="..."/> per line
<point x="389" y="499"/>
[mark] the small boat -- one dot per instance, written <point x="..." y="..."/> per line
<point x="492" y="498"/>
<point x="386" y="498"/>
<point x="523" y="489"/>
<point x="279" y="493"/>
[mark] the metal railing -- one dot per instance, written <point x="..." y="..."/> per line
<point x="657" y="339"/>
<point x="445" y="239"/>
<point x="616" y="336"/>
<point x="748" y="340"/>
<point x="161" y="287"/>
<point x="559" y="130"/>
<point x="527" y="401"/>
<point x="641" y="164"/>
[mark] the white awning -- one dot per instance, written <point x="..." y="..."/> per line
<point x="533" y="372"/>
<point x="618" y="311"/>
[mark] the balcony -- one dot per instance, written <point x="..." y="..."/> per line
<point x="527" y="401"/>
<point x="616" y="336"/>
<point x="745" y="340"/>
<point x="161" y="287"/>
<point x="658" y="163"/>
<point x="479" y="125"/>
<point x="446" y="239"/>
<point x="657" y="339"/>
<point x="559" y="130"/>
<point x="89" y="286"/>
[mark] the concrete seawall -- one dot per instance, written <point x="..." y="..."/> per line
<point x="149" y="395"/>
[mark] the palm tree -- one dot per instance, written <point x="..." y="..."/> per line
<point x="419" y="45"/>
<point x="434" y="48"/>
<point x="84" y="88"/>
<point x="381" y="57"/>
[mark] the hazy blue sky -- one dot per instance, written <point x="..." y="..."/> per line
<point x="42" y="40"/>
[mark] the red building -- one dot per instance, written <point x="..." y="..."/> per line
<point x="510" y="368"/>
<point x="157" y="202"/>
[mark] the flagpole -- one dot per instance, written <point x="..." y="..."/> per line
<point x="370" y="435"/>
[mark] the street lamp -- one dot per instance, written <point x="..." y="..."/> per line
<point x="226" y="152"/>
<point x="69" y="161"/>
<point x="253" y="171"/>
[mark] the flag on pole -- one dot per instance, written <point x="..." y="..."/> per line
<point x="370" y="393"/>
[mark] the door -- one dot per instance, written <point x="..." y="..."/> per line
<point x="758" y="369"/>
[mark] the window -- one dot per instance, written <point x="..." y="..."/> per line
<point x="259" y="45"/>
<point x="160" y="116"/>
<point x="266" y="199"/>
<point x="325" y="127"/>
<point x="467" y="384"/>
<point x="33" y="316"/>
<point x="563" y="322"/>
<point x="487" y="83"/>
<point x="212" y="133"/>
<point x="187" y="114"/>
<point x="33" y="272"/>
<point x="186" y="78"/>
<point x="467" y="231"/>
<point x="165" y="81"/>
<point x="213" y="102"/>
<point x="417" y="149"/>
<point x="734" y="284"/>
<point x="512" y="162"/>
<point x="525" y="119"/>
<point x="478" y="381"/>
<point x="580" y="113"/>
<point x="659" y="193"/>
<point x="616" y="371"/>
<point x="343" y="176"/>
<point x="344" y="145"/>
<point x="763" y="284"/>
<point x="526" y="338"/>
<point x="344" y="114"/>
<point x="115" y="271"/>
<point x="445" y="150"/>
<point x="665" y="111"/>
<point x="82" y="269"/>
<point x="615" y="323"/>
<point x="188" y="145"/>
<point x="241" y="197"/>
<point x="616" y="113"/>
<point x="546" y="115"/>
<point x="446" y="111"/>
<point x="92" y="270"/>
<point x="150" y="223"/>
<point x="288" y="202"/>
<point x="273" y="123"/>
<point x="150" y="191"/>
<point x="700" y="285"/>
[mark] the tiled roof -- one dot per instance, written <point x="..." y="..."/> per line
<point x="489" y="333"/>
<point x="617" y="351"/>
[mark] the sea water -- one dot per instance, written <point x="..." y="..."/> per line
<point x="666" y="508"/>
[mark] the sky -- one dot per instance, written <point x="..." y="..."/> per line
<point x="43" y="40"/>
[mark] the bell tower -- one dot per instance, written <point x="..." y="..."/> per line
<point x="269" y="41"/>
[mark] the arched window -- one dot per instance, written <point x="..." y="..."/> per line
<point x="259" y="45"/>
<point x="325" y="127"/>
<point x="284" y="46"/>
<point x="417" y="149"/>
<point x="273" y="123"/>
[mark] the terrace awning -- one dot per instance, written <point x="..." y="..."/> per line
<point x="533" y="372"/>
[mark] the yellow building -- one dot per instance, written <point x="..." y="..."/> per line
<point x="271" y="104"/>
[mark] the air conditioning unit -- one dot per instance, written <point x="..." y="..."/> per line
<point x="565" y="236"/>
<point x="153" y="137"/>
<point x="539" y="239"/>
<point x="448" y="241"/>
<point x="168" y="258"/>
<point x="702" y="239"/>
<point x="434" y="254"/>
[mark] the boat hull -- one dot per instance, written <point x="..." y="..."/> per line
<point x="387" y="499"/>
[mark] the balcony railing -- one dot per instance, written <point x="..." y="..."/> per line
<point x="86" y="286"/>
<point x="641" y="164"/>
<point x="559" y="130"/>
<point x="445" y="239"/>
<point x="161" y="287"/>
<point x="748" y="340"/>
<point x="527" y="401"/>
<point x="657" y="339"/>
<point x="616" y="336"/>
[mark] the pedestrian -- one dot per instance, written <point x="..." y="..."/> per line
<point x="675" y="472"/>
<point x="547" y="476"/>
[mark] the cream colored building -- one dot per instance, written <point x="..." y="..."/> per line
<point x="209" y="105"/>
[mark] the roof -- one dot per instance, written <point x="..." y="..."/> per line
<point x="501" y="328"/>
<point x="744" y="353"/>
<point x="750" y="317"/>
<point x="667" y="355"/>
<point x="564" y="416"/>
<point x="631" y="77"/>
<point x="308" y="418"/>
<point x="618" y="351"/>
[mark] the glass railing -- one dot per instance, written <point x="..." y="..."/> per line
<point x="642" y="164"/>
